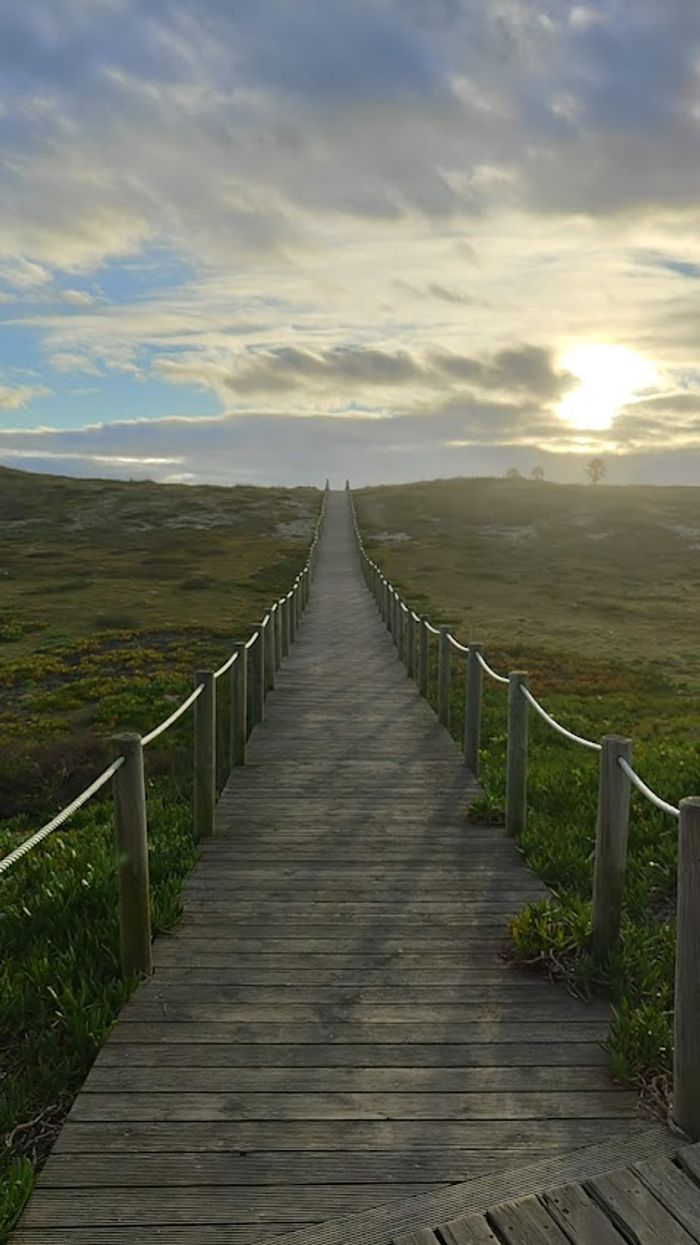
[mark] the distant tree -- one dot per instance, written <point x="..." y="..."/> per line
<point x="512" y="474"/>
<point x="537" y="473"/>
<point x="595" y="469"/>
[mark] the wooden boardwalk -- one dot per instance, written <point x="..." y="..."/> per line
<point x="331" y="1027"/>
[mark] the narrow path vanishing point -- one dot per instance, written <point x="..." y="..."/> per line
<point x="331" y="1027"/>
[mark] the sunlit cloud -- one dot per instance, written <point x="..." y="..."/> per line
<point x="438" y="224"/>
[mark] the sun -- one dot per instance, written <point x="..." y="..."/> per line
<point x="609" y="377"/>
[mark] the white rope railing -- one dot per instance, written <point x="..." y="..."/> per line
<point x="556" y="726"/>
<point x="461" y="648"/>
<point x="56" y="822"/>
<point x="178" y="713"/>
<point x="642" y="787"/>
<point x="249" y="643"/>
<point x="498" y="678"/>
<point x="433" y="630"/>
<point x="227" y="664"/>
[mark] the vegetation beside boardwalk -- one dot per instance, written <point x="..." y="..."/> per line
<point x="113" y="594"/>
<point x="594" y="592"/>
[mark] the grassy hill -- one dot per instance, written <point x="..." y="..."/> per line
<point x="112" y="595"/>
<point x="604" y="571"/>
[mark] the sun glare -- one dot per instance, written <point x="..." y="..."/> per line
<point x="609" y="377"/>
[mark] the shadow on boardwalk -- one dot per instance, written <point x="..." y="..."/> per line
<point x="332" y="1026"/>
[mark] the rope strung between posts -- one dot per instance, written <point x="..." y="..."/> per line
<point x="499" y="678"/>
<point x="561" y="730"/>
<point x="227" y="665"/>
<point x="641" y="786"/>
<point x="178" y="713"/>
<point x="56" y="822"/>
<point x="461" y="648"/>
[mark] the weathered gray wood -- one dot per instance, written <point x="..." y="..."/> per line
<point x="270" y="652"/>
<point x="526" y="1222"/>
<point x="580" y="1217"/>
<point x="352" y="1055"/>
<point x="516" y="759"/>
<point x="410" y="644"/>
<point x="443" y="688"/>
<point x="472" y="708"/>
<point x="401" y="631"/>
<point x="635" y="1211"/>
<point x="239" y="705"/>
<point x="686" y="1059"/>
<point x="258" y="654"/>
<point x="611" y="843"/>
<point x="423" y="655"/>
<point x="675" y="1189"/>
<point x="587" y="1105"/>
<point x="131" y="835"/>
<point x="286" y="625"/>
<point x="556" y="1137"/>
<point x="419" y="1236"/>
<point x="204" y="755"/>
<point x="344" y="1080"/>
<point x="470" y="1230"/>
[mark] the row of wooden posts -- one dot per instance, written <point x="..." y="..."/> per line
<point x="412" y="635"/>
<point x="251" y="677"/>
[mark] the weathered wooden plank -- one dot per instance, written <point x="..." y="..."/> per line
<point x="338" y="1055"/>
<point x="580" y="1217"/>
<point x="351" y="1031"/>
<point x="526" y="1222"/>
<point x="242" y="1204"/>
<point x="172" y="1234"/>
<point x="634" y="1209"/>
<point x="419" y="1236"/>
<point x="153" y="1169"/>
<point x="434" y="1080"/>
<point x="552" y="1010"/>
<point x="469" y="1230"/>
<point x="587" y="1104"/>
<point x="675" y="1189"/>
<point x="557" y="1136"/>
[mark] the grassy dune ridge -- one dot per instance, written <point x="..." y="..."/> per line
<point x="112" y="595"/>
<point x="594" y="591"/>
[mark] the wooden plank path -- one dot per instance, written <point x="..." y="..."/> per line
<point x="331" y="1027"/>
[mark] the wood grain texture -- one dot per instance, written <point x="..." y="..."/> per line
<point x="332" y="1027"/>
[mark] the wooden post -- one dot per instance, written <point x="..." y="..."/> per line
<point x="270" y="653"/>
<point x="204" y="755"/>
<point x="239" y="705"/>
<point x="298" y="602"/>
<point x="395" y="616"/>
<point x="400" y="630"/>
<point x="423" y="656"/>
<point x="443" y="690"/>
<point x="277" y="610"/>
<point x="284" y="623"/>
<point x="257" y="678"/>
<point x="686" y="1058"/>
<point x="472" y="709"/>
<point x="611" y="843"/>
<point x="385" y="602"/>
<point x="410" y="644"/>
<point x="131" y="834"/>
<point x="516" y="765"/>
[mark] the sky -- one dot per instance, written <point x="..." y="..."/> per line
<point x="277" y="241"/>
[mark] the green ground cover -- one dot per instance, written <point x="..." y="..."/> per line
<point x="594" y="592"/>
<point x="112" y="595"/>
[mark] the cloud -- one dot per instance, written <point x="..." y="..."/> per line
<point x="17" y="397"/>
